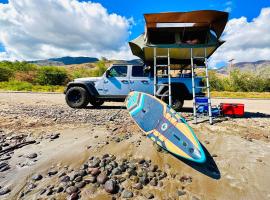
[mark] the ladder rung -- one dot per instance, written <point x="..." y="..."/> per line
<point x="199" y="67"/>
<point x="161" y="56"/>
<point x="198" y="57"/>
<point x="162" y="84"/>
<point x="160" y="65"/>
<point x="162" y="95"/>
<point x="199" y="104"/>
<point x="201" y="87"/>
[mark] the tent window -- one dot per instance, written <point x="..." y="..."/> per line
<point x="178" y="36"/>
<point x="161" y="37"/>
<point x="195" y="37"/>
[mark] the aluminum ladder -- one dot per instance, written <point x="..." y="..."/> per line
<point x="194" y="86"/>
<point x="162" y="70"/>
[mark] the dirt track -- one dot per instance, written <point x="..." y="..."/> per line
<point x="240" y="148"/>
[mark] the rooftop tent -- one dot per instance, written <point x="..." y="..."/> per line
<point x="180" y="31"/>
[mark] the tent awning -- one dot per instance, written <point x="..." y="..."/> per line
<point x="215" y="20"/>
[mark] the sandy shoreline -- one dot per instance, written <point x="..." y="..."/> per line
<point x="240" y="148"/>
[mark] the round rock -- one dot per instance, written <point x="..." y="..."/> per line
<point x="153" y="182"/>
<point x="73" y="196"/>
<point x="90" y="179"/>
<point x="71" y="189"/>
<point x="32" y="155"/>
<point x="65" y="179"/>
<point x="80" y="184"/>
<point x="149" y="196"/>
<point x="37" y="177"/>
<point x="94" y="171"/>
<point x="78" y="179"/>
<point x="102" y="178"/>
<point x="116" y="171"/>
<point x="138" y="186"/>
<point x="52" y="172"/>
<point x="110" y="186"/>
<point x="126" y="194"/>
<point x="181" y="192"/>
<point x="4" y="191"/>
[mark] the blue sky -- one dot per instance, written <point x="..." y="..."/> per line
<point x="49" y="34"/>
<point x="136" y="8"/>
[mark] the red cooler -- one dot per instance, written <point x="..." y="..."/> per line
<point x="232" y="109"/>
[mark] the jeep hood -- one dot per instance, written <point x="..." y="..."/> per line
<point x="87" y="79"/>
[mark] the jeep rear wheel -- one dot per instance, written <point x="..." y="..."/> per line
<point x="177" y="102"/>
<point x="96" y="102"/>
<point x="77" y="97"/>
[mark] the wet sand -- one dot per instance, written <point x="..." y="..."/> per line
<point x="240" y="148"/>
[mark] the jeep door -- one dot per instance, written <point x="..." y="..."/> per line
<point x="140" y="80"/>
<point x="116" y="81"/>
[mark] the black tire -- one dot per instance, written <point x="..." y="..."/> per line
<point x="96" y="102"/>
<point x="177" y="102"/>
<point x="77" y="97"/>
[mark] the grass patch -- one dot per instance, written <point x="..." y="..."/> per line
<point x="26" y="86"/>
<point x="256" y="95"/>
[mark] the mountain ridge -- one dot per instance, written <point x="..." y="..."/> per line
<point x="260" y="67"/>
<point x="67" y="60"/>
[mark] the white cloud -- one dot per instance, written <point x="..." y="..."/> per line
<point x="32" y="29"/>
<point x="245" y="41"/>
<point x="228" y="5"/>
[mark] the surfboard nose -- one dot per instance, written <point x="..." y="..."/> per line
<point x="198" y="155"/>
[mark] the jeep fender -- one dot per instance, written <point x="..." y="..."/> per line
<point x="90" y="88"/>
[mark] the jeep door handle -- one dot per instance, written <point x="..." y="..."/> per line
<point x="145" y="82"/>
<point x="124" y="81"/>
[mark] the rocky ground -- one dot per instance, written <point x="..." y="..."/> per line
<point x="50" y="151"/>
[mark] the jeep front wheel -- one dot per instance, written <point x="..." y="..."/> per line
<point x="77" y="97"/>
<point x="177" y="102"/>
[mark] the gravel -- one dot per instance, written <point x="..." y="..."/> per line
<point x="126" y="194"/>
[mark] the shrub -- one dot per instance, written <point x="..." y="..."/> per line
<point x="101" y="68"/>
<point x="52" y="76"/>
<point x="82" y="72"/>
<point x="86" y="72"/>
<point x="16" y="86"/>
<point x="215" y="82"/>
<point x="239" y="81"/>
<point x="25" y="86"/>
<point x="249" y="82"/>
<point x="23" y="66"/>
<point x="5" y="72"/>
<point x="29" y="76"/>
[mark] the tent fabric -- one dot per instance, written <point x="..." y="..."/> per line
<point x="179" y="54"/>
<point x="202" y="24"/>
<point x="216" y="20"/>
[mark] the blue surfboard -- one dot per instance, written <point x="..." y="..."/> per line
<point x="164" y="126"/>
